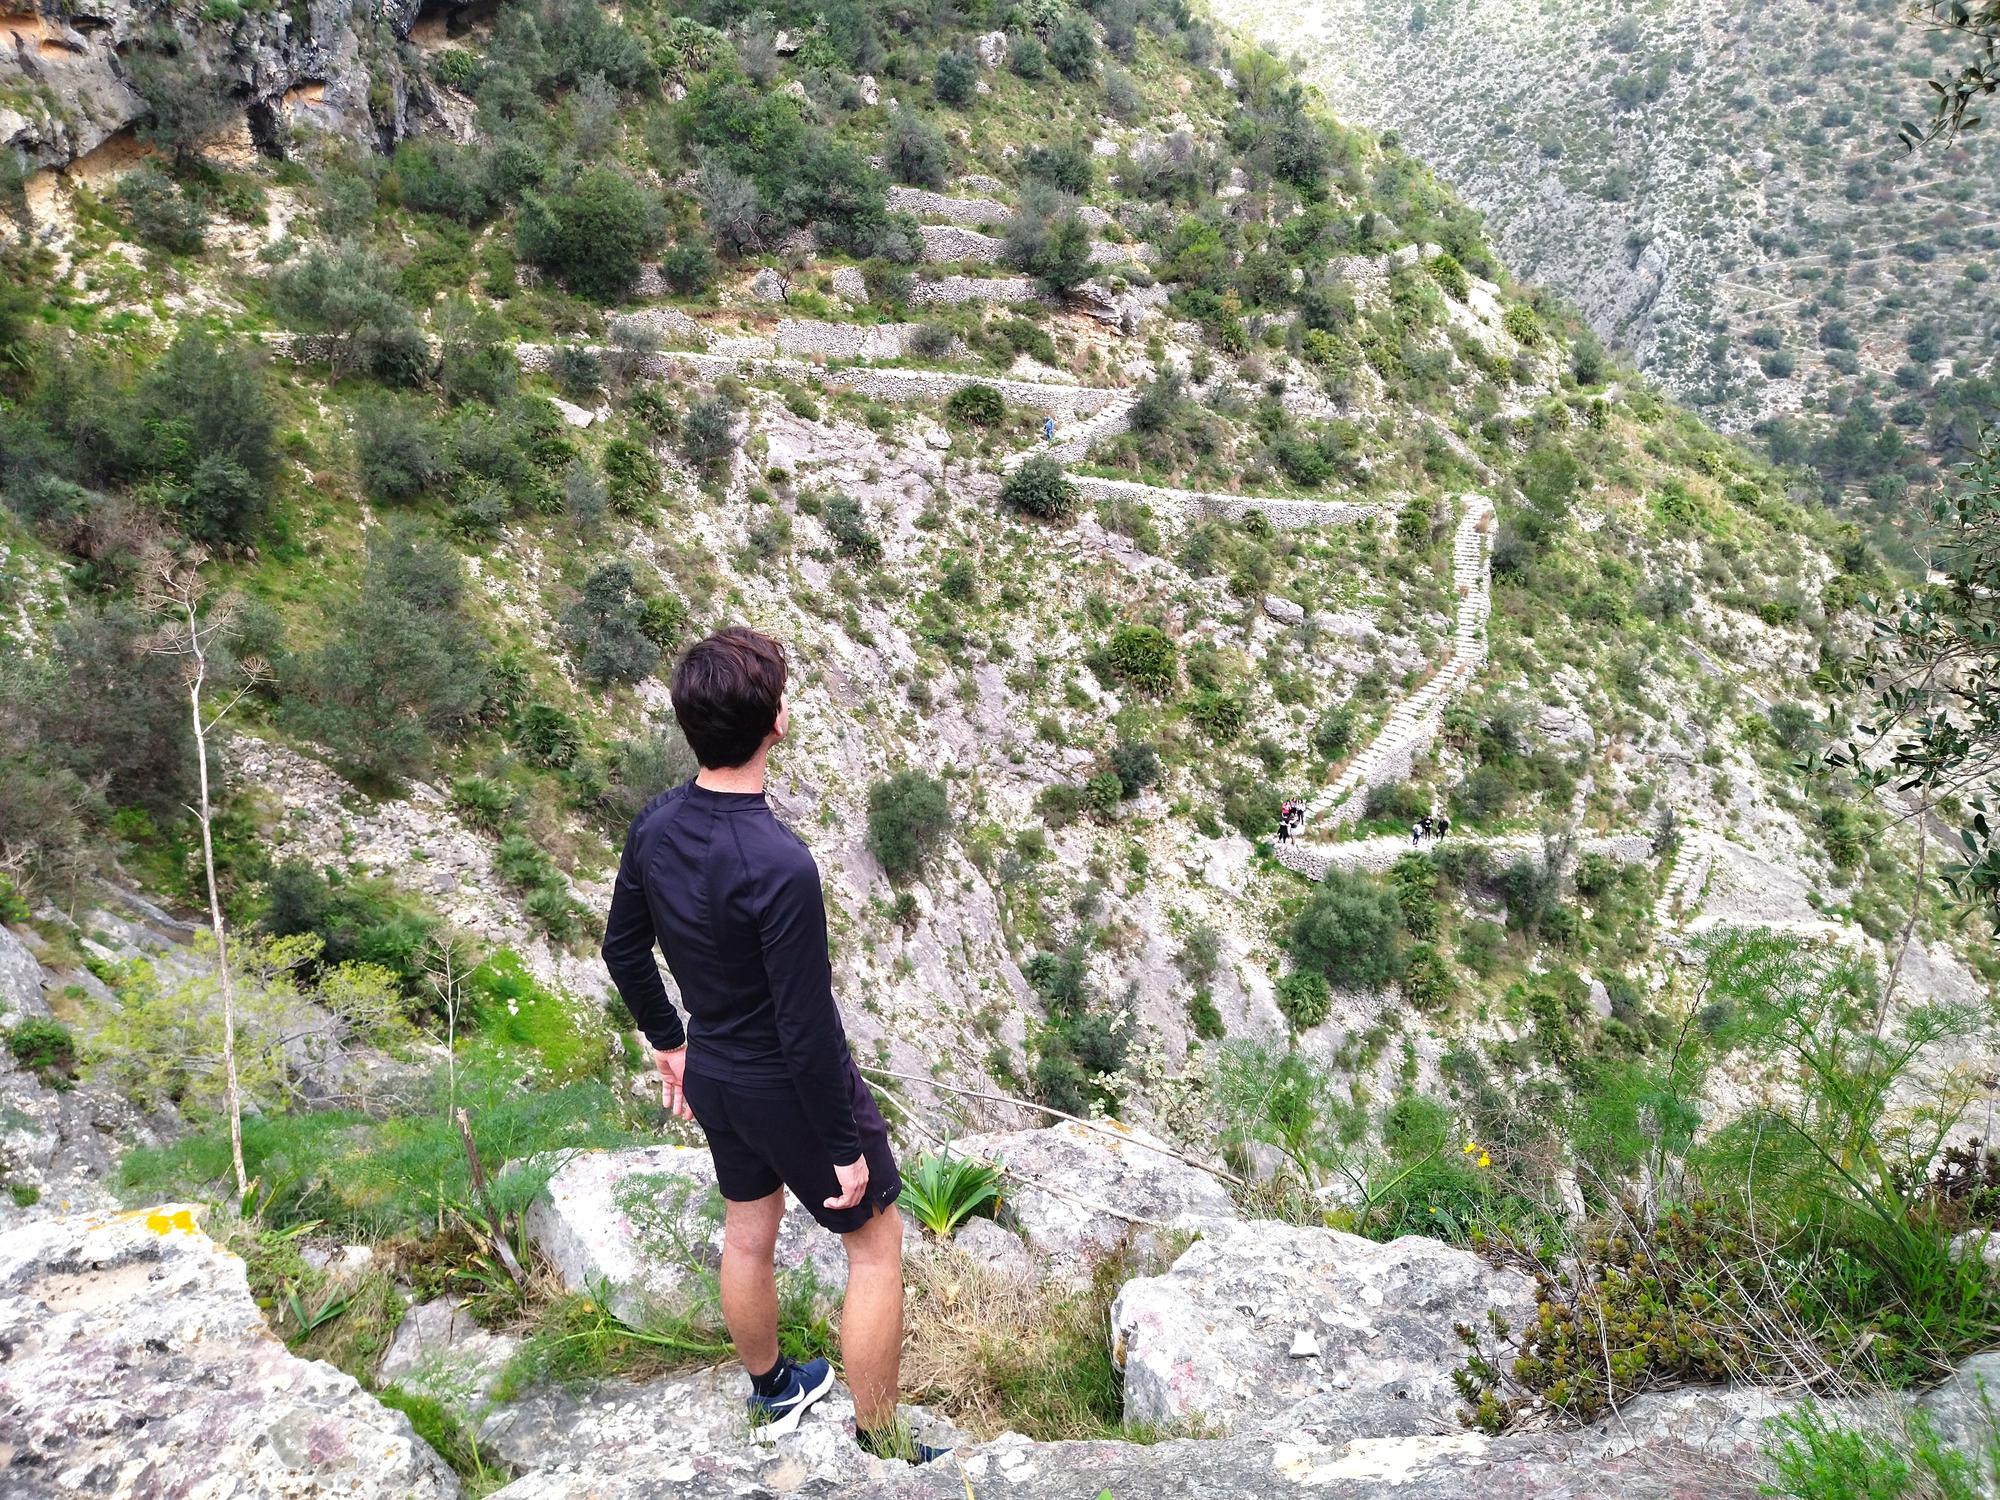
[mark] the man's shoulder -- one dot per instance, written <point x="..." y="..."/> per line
<point x="659" y="807"/>
<point x="781" y="845"/>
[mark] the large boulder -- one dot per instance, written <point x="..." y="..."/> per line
<point x="21" y="981"/>
<point x="1256" y="1316"/>
<point x="138" y="1365"/>
<point x="643" y="1224"/>
<point x="1067" y="1186"/>
<point x="440" y="1351"/>
<point x="681" y="1436"/>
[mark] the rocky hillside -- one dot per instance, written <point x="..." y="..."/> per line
<point x="1123" y="447"/>
<point x="1719" y="189"/>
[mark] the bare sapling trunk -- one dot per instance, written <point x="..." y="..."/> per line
<point x="175" y="593"/>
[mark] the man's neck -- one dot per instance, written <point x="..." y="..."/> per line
<point x="748" y="777"/>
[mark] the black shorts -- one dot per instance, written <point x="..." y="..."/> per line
<point x="761" y="1140"/>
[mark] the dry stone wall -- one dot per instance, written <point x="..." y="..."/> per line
<point x="1285" y="515"/>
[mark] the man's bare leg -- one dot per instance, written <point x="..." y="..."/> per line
<point x="749" y="1286"/>
<point x="871" y="1319"/>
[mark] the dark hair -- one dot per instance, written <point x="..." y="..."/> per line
<point x="726" y="693"/>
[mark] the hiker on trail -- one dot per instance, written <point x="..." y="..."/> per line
<point x="1298" y="819"/>
<point x="1285" y="812"/>
<point x="1048" y="429"/>
<point x="732" y="898"/>
<point x="1440" y="826"/>
<point x="1417" y="831"/>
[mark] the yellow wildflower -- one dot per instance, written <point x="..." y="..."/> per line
<point x="1485" y="1160"/>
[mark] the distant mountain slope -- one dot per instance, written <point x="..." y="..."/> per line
<point x="1718" y="187"/>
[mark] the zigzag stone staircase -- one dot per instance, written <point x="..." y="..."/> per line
<point x="1413" y="723"/>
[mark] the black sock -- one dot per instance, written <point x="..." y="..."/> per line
<point x="772" y="1381"/>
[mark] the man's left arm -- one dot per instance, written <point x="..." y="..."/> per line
<point x="629" y="938"/>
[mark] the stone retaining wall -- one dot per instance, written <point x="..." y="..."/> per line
<point x="956" y="291"/>
<point x="925" y="204"/>
<point x="954" y="242"/>
<point x="864" y="380"/>
<point x="1376" y="856"/>
<point x="802" y="338"/>
<point x="1283" y="514"/>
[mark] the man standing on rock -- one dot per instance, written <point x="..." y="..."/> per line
<point x="732" y="898"/>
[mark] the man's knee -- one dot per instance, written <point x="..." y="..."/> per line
<point x="879" y="1242"/>
<point x="751" y="1228"/>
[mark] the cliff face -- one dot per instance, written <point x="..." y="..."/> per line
<point x="66" y="84"/>
<point x="1687" y="174"/>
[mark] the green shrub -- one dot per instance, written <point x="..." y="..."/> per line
<point x="848" y="525"/>
<point x="688" y="267"/>
<point x="437" y="176"/>
<point x="1304" y="999"/>
<point x="161" y="215"/>
<point x="1143" y="655"/>
<point x="1333" y="736"/>
<point x="1072" y="46"/>
<point x="400" y="450"/>
<point x="548" y="737"/>
<point x="1103" y="792"/>
<point x="1204" y="1020"/>
<point x="1522" y="325"/>
<point x="1136" y="764"/>
<point x="1449" y="275"/>
<point x="956" y="78"/>
<point x="593" y="236"/>
<point x="909" y="819"/>
<point x="1427" y="981"/>
<point x="45" y="1047"/>
<point x="1048" y="239"/>
<point x="1223" y="712"/>
<point x="916" y="152"/>
<point x="1349" y="931"/>
<point x="1040" y="488"/>
<point x="403" y="668"/>
<point x="632" y="476"/>
<point x="482" y="801"/>
<point x="708" y="436"/>
<point x="979" y="404"/>
<point x="664" y="619"/>
<point x="455" y="67"/>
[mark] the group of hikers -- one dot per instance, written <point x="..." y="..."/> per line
<point x="1291" y="820"/>
<point x="1432" y="826"/>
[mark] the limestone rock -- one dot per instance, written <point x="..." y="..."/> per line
<point x="638" y="1222"/>
<point x="440" y="1351"/>
<point x="572" y="415"/>
<point x="870" y="91"/>
<point x="766" y="286"/>
<point x="1093" y="1169"/>
<point x="992" y="49"/>
<point x="682" y="1436"/>
<point x="21" y="981"/>
<point x="1211" y="1336"/>
<point x="57" y="1145"/>
<point x="1284" y="611"/>
<point x="850" y="285"/>
<point x="118" y="1323"/>
<point x="994" y="1246"/>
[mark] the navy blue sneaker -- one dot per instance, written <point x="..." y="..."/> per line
<point x="774" y="1416"/>
<point x="898" y="1442"/>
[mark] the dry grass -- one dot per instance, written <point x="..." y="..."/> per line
<point x="998" y="1351"/>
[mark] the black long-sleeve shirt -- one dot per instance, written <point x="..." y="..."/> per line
<point x="732" y="897"/>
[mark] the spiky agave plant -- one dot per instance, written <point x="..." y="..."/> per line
<point x="944" y="1191"/>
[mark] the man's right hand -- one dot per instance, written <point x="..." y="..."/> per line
<point x="853" y="1183"/>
